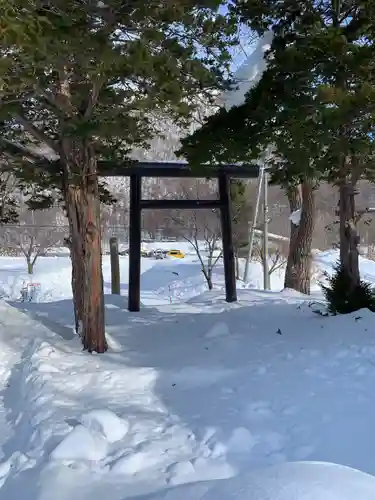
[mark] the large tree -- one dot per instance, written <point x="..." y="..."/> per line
<point x="88" y="89"/>
<point x="314" y="104"/>
<point x="246" y="133"/>
<point x="324" y="51"/>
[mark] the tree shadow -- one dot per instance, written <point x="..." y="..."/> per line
<point x="222" y="367"/>
<point x="58" y="316"/>
<point x="227" y="369"/>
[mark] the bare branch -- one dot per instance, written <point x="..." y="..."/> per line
<point x="277" y="256"/>
<point x="37" y="232"/>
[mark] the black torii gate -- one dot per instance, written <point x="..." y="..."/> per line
<point x="136" y="170"/>
<point x="176" y="169"/>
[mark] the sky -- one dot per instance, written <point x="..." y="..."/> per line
<point x="247" y="38"/>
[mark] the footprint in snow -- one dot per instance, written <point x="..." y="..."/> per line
<point x="258" y="410"/>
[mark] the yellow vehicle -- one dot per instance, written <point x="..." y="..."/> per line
<point x="177" y="254"/>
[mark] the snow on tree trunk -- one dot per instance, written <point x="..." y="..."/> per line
<point x="349" y="239"/>
<point x="298" y="271"/>
<point x="295" y="203"/>
<point x="83" y="211"/>
<point x="295" y="217"/>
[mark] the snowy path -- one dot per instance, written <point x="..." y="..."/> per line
<point x="9" y="358"/>
<point x="16" y="337"/>
<point x="52" y="387"/>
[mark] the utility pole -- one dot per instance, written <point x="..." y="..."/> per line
<point x="266" y="276"/>
<point x="253" y="225"/>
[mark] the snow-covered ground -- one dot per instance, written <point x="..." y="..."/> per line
<point x="196" y="399"/>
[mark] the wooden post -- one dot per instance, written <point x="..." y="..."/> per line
<point x="266" y="274"/>
<point x="115" y="266"/>
<point x="227" y="237"/>
<point x="135" y="219"/>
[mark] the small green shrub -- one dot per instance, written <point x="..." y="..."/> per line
<point x="342" y="298"/>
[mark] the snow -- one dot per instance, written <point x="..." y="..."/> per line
<point x="81" y="444"/>
<point x="196" y="398"/>
<point x="249" y="74"/>
<point x="295" y="217"/>
<point x="291" y="481"/>
<point x="108" y="424"/>
<point x="326" y="259"/>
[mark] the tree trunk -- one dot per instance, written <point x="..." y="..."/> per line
<point x="237" y="260"/>
<point x="76" y="257"/>
<point x="298" y="271"/>
<point x="293" y="193"/>
<point x="208" y="275"/>
<point x="209" y="283"/>
<point x="30" y="266"/>
<point x="349" y="239"/>
<point x="83" y="210"/>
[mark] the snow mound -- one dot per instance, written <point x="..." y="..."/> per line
<point x="135" y="462"/>
<point x="241" y="441"/>
<point x="106" y="423"/>
<point x="288" y="481"/>
<point x="81" y="444"/>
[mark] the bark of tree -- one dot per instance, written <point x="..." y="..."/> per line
<point x="237" y="261"/>
<point x="30" y="265"/>
<point x="30" y="259"/>
<point x="349" y="239"/>
<point x="298" y="271"/>
<point x="293" y="193"/>
<point x="83" y="211"/>
<point x="76" y="257"/>
<point x="208" y="276"/>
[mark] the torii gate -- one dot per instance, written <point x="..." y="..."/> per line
<point x="136" y="171"/>
<point x="175" y="169"/>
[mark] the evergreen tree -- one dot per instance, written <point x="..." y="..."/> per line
<point x="87" y="89"/>
<point x="323" y="58"/>
<point x="342" y="298"/>
<point x="16" y="180"/>
<point x="250" y="131"/>
<point x="314" y="104"/>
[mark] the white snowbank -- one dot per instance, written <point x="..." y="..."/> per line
<point x="289" y="481"/>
